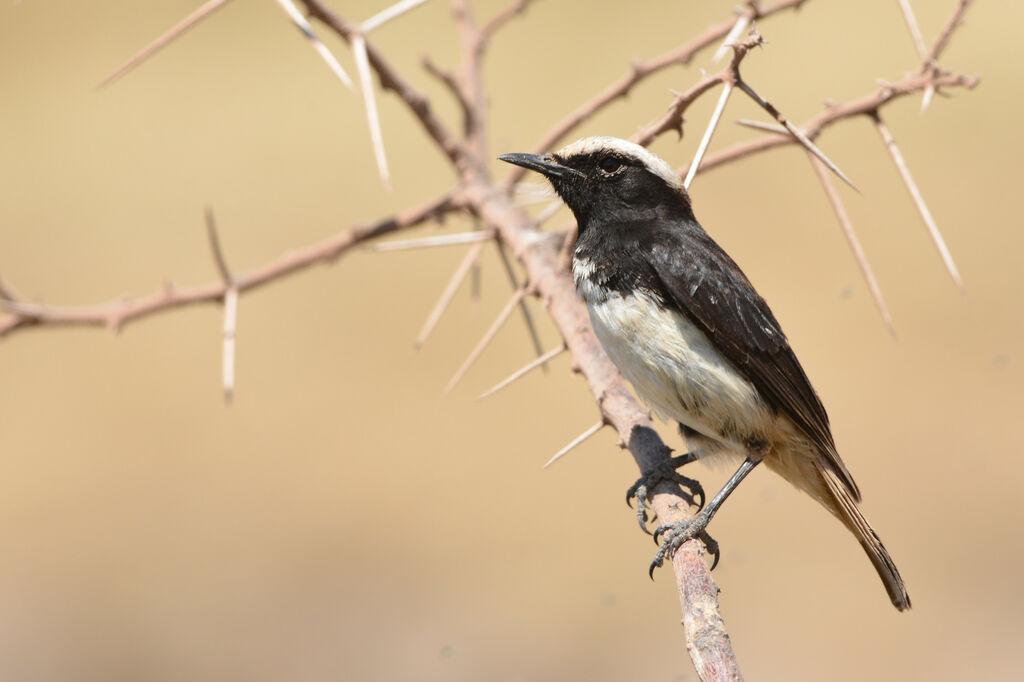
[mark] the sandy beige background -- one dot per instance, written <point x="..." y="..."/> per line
<point x="342" y="520"/>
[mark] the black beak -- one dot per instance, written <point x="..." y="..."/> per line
<point x="545" y="164"/>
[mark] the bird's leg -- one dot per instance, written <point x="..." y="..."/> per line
<point x="675" y="534"/>
<point x="664" y="471"/>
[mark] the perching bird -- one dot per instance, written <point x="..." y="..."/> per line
<point x="686" y="328"/>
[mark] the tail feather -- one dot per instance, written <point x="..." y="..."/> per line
<point x="845" y="507"/>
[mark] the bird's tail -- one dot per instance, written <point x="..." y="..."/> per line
<point x="845" y="507"/>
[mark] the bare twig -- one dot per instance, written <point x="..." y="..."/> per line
<point x="852" y="240"/>
<point x="833" y="114"/>
<point x="576" y="441"/>
<point x="793" y="130"/>
<point x="501" y="18"/>
<point x="116" y="314"/>
<point x="915" y="194"/>
<point x="946" y="33"/>
<point x="644" y="69"/>
<point x="391" y="80"/>
<point x="6" y="293"/>
<point x="673" y="118"/>
<point x="530" y="366"/>
<point x="203" y="11"/>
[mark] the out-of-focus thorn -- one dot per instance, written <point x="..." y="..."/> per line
<point x="173" y="32"/>
<point x="218" y="253"/>
<point x="370" y="101"/>
<point x="926" y="99"/>
<point x="300" y="22"/>
<point x="230" y="325"/>
<point x="853" y="241"/>
<point x="429" y="242"/>
<point x="761" y="125"/>
<point x="388" y="14"/>
<point x="915" y="30"/>
<point x="737" y="29"/>
<point x="472" y="255"/>
<point x="522" y="371"/>
<point x="486" y="340"/>
<point x="915" y="194"/>
<point x="527" y="317"/>
<point x="716" y="116"/>
<point x="550" y="210"/>
<point x="576" y="441"/>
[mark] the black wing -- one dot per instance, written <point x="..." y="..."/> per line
<point x="704" y="283"/>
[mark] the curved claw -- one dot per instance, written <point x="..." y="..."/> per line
<point x="641" y="517"/>
<point x="677" y="533"/>
<point x="632" y="492"/>
<point x="659" y="531"/>
<point x="711" y="545"/>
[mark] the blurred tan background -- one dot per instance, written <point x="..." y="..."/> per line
<point x="343" y="521"/>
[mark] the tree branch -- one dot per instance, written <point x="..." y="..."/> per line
<point x="115" y="314"/>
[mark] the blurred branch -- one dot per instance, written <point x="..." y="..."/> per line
<point x="115" y="314"/>
<point x="644" y="69"/>
<point x="833" y="114"/>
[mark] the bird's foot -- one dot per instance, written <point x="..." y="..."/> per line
<point x="665" y="471"/>
<point x="675" y="534"/>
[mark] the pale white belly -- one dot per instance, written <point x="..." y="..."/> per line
<point x="674" y="369"/>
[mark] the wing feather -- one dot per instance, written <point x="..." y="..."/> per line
<point x="705" y="284"/>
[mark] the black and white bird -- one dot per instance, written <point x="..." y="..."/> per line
<point x="685" y="326"/>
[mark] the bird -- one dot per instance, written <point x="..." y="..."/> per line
<point x="699" y="345"/>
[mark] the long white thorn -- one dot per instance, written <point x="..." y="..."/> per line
<point x="852" y="240"/>
<point x="486" y="340"/>
<point x="922" y="207"/>
<point x="300" y="22"/>
<point x="716" y="116"/>
<point x="912" y="26"/>
<point x="531" y="328"/>
<point x="230" y="325"/>
<point x="529" y="367"/>
<point x="576" y="441"/>
<point x="170" y="34"/>
<point x="370" y="101"/>
<point x="386" y="15"/>
<point x="761" y="125"/>
<point x="458" y="277"/>
<point x="739" y="27"/>
<point x="428" y="242"/>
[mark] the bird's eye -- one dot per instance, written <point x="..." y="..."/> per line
<point x="609" y="164"/>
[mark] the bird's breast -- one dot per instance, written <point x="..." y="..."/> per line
<point x="674" y="367"/>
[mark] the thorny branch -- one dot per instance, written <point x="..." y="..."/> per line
<point x="538" y="253"/>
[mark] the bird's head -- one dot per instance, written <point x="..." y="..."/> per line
<point x="608" y="179"/>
